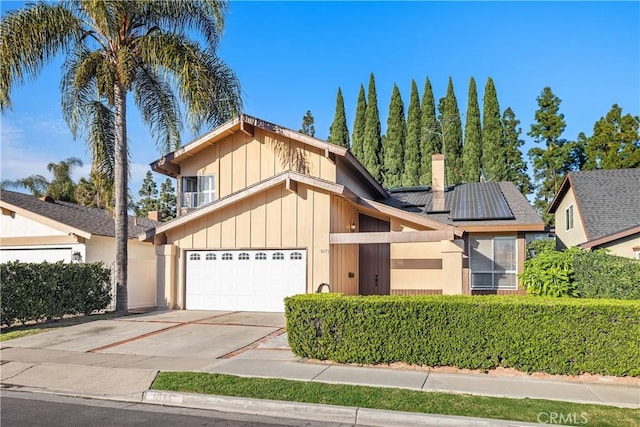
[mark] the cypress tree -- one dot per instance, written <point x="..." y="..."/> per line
<point x="357" y="140"/>
<point x="338" y="133"/>
<point x="516" y="166"/>
<point x="494" y="160"/>
<point x="472" y="150"/>
<point x="167" y="200"/>
<point x="430" y="135"/>
<point x="452" y="137"/>
<point x="412" y="164"/>
<point x="372" y="143"/>
<point x="308" y="127"/>
<point x="393" y="148"/>
<point x="148" y="196"/>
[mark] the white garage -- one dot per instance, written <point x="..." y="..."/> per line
<point x="244" y="280"/>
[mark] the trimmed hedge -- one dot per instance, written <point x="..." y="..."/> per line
<point x="599" y="274"/>
<point x="557" y="336"/>
<point x="40" y="291"/>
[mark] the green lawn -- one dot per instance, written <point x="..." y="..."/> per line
<point x="392" y="399"/>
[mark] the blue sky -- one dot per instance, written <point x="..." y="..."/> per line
<point x="292" y="56"/>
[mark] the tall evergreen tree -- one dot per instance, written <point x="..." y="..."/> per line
<point x="393" y="148"/>
<point x="412" y="161"/>
<point x="372" y="144"/>
<point x="472" y="149"/>
<point x="516" y="165"/>
<point x="338" y="133"/>
<point x="308" y="127"/>
<point x="148" y="196"/>
<point x="452" y="137"/>
<point x="430" y="133"/>
<point x="167" y="200"/>
<point x="556" y="157"/>
<point x="494" y="160"/>
<point x="357" y="141"/>
<point x="615" y="143"/>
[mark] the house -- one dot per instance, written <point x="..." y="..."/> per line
<point x="266" y="212"/>
<point x="37" y="230"/>
<point x="599" y="209"/>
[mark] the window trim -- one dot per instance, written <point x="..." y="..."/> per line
<point x="568" y="218"/>
<point x="494" y="272"/>
<point x="201" y="200"/>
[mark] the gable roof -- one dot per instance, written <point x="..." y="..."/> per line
<point x="170" y="163"/>
<point x="477" y="206"/>
<point x="608" y="200"/>
<point x="81" y="220"/>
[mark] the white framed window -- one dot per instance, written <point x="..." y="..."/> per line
<point x="194" y="257"/>
<point x="210" y="256"/>
<point x="261" y="256"/>
<point x="244" y="256"/>
<point x="227" y="256"/>
<point x="198" y="190"/>
<point x="568" y="218"/>
<point x="493" y="263"/>
<point x="277" y="256"/>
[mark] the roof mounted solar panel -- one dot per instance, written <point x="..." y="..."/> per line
<point x="480" y="201"/>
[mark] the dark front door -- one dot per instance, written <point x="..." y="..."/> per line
<point x="374" y="264"/>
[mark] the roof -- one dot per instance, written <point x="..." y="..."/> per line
<point x="476" y="206"/>
<point x="85" y="219"/>
<point x="631" y="231"/>
<point x="170" y="163"/>
<point x="608" y="200"/>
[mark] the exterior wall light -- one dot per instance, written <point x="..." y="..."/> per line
<point x="353" y="227"/>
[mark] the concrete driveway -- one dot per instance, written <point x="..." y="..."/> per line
<point x="166" y="340"/>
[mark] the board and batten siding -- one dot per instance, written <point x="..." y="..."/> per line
<point x="239" y="161"/>
<point x="344" y="258"/>
<point x="274" y="218"/>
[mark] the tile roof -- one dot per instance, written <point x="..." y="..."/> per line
<point x="420" y="200"/>
<point x="92" y="220"/>
<point x="608" y="200"/>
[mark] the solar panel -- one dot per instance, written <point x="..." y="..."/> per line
<point x="478" y="201"/>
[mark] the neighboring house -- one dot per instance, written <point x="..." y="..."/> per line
<point x="266" y="212"/>
<point x="599" y="209"/>
<point x="35" y="230"/>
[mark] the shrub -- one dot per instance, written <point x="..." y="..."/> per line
<point x="550" y="273"/>
<point x="602" y="275"/>
<point x="557" y="336"/>
<point x="540" y="246"/>
<point x="32" y="292"/>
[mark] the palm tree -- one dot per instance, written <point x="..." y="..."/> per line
<point x="118" y="47"/>
<point x="61" y="187"/>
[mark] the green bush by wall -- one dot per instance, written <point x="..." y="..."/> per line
<point x="33" y="292"/>
<point x="557" y="336"/>
<point x="599" y="274"/>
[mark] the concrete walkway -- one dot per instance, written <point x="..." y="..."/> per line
<point x="124" y="366"/>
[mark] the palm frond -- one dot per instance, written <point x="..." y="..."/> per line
<point x="36" y="184"/>
<point x="29" y="38"/>
<point x="159" y="108"/>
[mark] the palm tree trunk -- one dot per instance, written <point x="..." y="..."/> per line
<point x="121" y="179"/>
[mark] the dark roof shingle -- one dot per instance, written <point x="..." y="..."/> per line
<point x="92" y="220"/>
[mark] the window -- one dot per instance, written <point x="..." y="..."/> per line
<point x="210" y="256"/>
<point x="198" y="190"/>
<point x="493" y="262"/>
<point x="568" y="218"/>
<point x="277" y="255"/>
<point x="295" y="255"/>
<point x="227" y="256"/>
<point x="261" y="256"/>
<point x="194" y="257"/>
<point x="244" y="256"/>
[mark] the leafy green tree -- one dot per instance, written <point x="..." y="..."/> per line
<point x="148" y="196"/>
<point x="412" y="161"/>
<point x="472" y="149"/>
<point x="118" y="47"/>
<point x="556" y="157"/>
<point x="308" y="127"/>
<point x="357" y="140"/>
<point x="94" y="192"/>
<point x="372" y="143"/>
<point x="615" y="143"/>
<point x="430" y="133"/>
<point x="516" y="165"/>
<point x="167" y="200"/>
<point x="339" y="134"/>
<point x="61" y="187"/>
<point x="494" y="160"/>
<point x="36" y="184"/>
<point x="393" y="148"/>
<point x="452" y="137"/>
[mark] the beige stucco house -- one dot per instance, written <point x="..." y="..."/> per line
<point x="599" y="209"/>
<point x="266" y="212"/>
<point x="35" y="230"/>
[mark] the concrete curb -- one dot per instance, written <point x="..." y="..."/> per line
<point x="316" y="412"/>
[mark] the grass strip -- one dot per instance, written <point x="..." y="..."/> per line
<point x="6" y="336"/>
<point x="395" y="399"/>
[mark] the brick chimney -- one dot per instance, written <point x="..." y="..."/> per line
<point x="154" y="216"/>
<point x="437" y="182"/>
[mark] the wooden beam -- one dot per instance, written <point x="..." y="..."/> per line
<point x="163" y="165"/>
<point x="8" y="212"/>
<point x="40" y="240"/>
<point x="391" y="237"/>
<point x="291" y="185"/>
<point x="247" y="128"/>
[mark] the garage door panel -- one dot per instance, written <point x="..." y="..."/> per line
<point x="244" y="280"/>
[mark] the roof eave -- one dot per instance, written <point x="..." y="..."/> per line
<point x="65" y="228"/>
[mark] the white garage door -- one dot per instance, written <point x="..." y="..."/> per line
<point x="36" y="255"/>
<point x="255" y="280"/>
